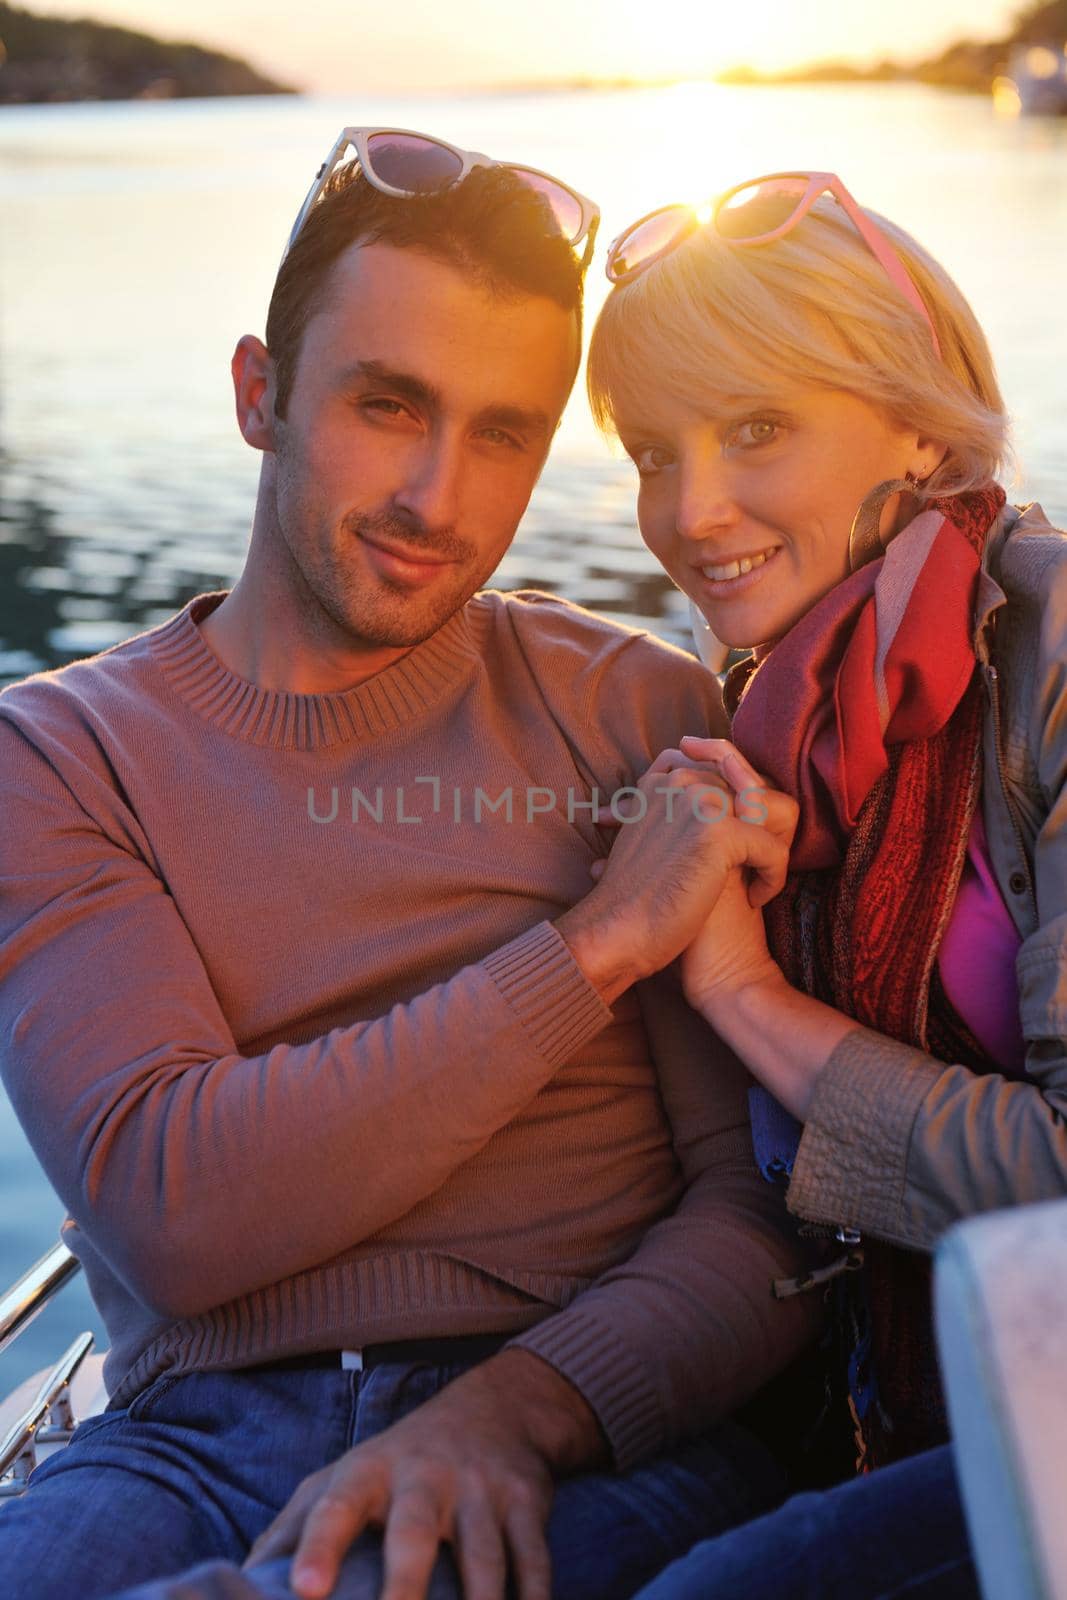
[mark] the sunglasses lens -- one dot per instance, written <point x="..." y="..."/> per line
<point x="758" y="209"/>
<point x="649" y="239"/>
<point x="409" y="162"/>
<point x="564" y="206"/>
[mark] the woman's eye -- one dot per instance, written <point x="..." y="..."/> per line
<point x="651" y="459"/>
<point x="756" y="431"/>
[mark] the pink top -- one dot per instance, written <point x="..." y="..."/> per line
<point x="977" y="958"/>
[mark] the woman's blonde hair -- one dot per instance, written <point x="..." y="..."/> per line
<point x="714" y="322"/>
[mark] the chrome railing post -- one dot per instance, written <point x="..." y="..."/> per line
<point x="22" y="1302"/>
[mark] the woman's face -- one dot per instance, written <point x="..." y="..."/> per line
<point x="750" y="512"/>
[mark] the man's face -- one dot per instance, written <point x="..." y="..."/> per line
<point x="420" y="415"/>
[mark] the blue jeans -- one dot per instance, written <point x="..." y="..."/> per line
<point x="896" y="1532"/>
<point x="197" y="1466"/>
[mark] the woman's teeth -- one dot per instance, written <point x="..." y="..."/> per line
<point x="736" y="569"/>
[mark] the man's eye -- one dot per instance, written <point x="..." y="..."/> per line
<point x="383" y="406"/>
<point x="499" y="437"/>
<point x="652" y="458"/>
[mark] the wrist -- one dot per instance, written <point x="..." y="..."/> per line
<point x="741" y="998"/>
<point x="783" y="1036"/>
<point x="606" y="963"/>
<point x="545" y="1409"/>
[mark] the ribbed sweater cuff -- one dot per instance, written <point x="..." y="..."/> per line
<point x="548" y="992"/>
<point x="851" y="1167"/>
<point x="609" y="1376"/>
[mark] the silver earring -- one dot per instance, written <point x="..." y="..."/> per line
<point x="865" y="541"/>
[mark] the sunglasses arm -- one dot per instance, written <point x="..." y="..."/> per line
<point x="880" y="247"/>
<point x="319" y="183"/>
<point x="590" y="241"/>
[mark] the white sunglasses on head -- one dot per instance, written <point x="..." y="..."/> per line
<point x="401" y="162"/>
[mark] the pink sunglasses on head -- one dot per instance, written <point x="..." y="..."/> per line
<point x="757" y="212"/>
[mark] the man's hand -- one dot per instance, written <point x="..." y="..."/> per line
<point x="472" y="1468"/>
<point x="700" y="814"/>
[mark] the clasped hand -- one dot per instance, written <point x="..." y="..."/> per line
<point x="700" y="848"/>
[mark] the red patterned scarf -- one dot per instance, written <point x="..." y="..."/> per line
<point x="868" y="711"/>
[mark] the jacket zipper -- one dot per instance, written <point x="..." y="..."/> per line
<point x="830" y="1230"/>
<point x="992" y="681"/>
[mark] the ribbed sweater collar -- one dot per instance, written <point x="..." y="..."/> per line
<point x="389" y="700"/>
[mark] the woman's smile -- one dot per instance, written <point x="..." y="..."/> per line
<point x="725" y="578"/>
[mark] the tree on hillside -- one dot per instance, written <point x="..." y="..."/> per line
<point x="59" y="58"/>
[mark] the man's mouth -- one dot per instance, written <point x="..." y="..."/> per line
<point x="403" y="563"/>
<point x="414" y="555"/>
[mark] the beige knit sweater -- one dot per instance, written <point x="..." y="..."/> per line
<point x="287" y="1021"/>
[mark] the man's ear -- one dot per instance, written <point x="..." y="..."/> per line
<point x="253" y="389"/>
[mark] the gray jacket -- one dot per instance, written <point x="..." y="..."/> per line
<point x="898" y="1144"/>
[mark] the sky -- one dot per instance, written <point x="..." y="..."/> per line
<point x="334" y="46"/>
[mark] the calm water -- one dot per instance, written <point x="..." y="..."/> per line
<point x="137" y="242"/>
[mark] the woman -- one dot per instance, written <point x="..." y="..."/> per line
<point x="816" y="423"/>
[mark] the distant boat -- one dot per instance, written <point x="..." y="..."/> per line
<point x="1035" y="84"/>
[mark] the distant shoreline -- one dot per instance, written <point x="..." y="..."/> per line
<point x="976" y="78"/>
<point x="730" y="77"/>
<point x="45" y="59"/>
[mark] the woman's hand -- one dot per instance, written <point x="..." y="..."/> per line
<point x="783" y="1036"/>
<point x="754" y="801"/>
<point x="730" y="952"/>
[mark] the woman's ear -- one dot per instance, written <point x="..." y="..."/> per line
<point x="929" y="454"/>
<point x="253" y="389"/>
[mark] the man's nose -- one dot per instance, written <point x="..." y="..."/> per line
<point x="707" y="497"/>
<point x="432" y="484"/>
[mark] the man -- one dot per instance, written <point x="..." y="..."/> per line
<point x="322" y="1034"/>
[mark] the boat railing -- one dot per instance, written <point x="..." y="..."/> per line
<point x="49" y="1417"/>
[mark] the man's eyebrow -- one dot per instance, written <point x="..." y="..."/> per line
<point x="402" y="383"/>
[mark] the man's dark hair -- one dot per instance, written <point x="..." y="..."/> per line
<point x="492" y="225"/>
